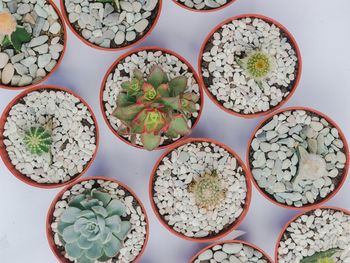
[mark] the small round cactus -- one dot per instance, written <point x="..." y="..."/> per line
<point x="38" y="140"/>
<point x="257" y="65"/>
<point x="208" y="191"/>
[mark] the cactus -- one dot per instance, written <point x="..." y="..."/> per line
<point x="154" y="107"/>
<point x="38" y="140"/>
<point x="321" y="257"/>
<point x="208" y="191"/>
<point x="14" y="35"/>
<point x="91" y="227"/>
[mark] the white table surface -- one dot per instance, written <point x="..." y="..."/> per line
<point x="321" y="27"/>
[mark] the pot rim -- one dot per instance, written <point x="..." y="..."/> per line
<point x="206" y="10"/>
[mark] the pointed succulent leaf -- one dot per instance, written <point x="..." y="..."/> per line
<point x="137" y="124"/>
<point x="150" y="141"/>
<point x="70" y="215"/>
<point x="86" y="214"/>
<point x="125" y="85"/>
<point x="61" y="226"/>
<point x="69" y="235"/>
<point x="84" y="259"/>
<point x="99" y="210"/>
<point x="75" y="202"/>
<point x="157" y="76"/>
<point x="179" y="125"/>
<point x="129" y="112"/>
<point x="123" y="231"/>
<point x="19" y="37"/>
<point x="88" y="203"/>
<point x="95" y="251"/>
<point x="115" y="207"/>
<point x="150" y="92"/>
<point x="124" y="100"/>
<point x="6" y="42"/>
<point x="84" y="243"/>
<point x="114" y="223"/>
<point x="138" y="74"/>
<point x="319" y="256"/>
<point x="112" y="247"/>
<point x="154" y="122"/>
<point x="103" y="197"/>
<point x="80" y="223"/>
<point x="188" y="106"/>
<point x="163" y="90"/>
<point x="190" y="96"/>
<point x="73" y="250"/>
<point x="172" y="102"/>
<point x="178" y="85"/>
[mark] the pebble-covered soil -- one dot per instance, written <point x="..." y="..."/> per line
<point x="144" y="61"/>
<point x="316" y="231"/>
<point x="102" y="24"/>
<point x="204" y="4"/>
<point x="178" y="206"/>
<point x="136" y="238"/>
<point x="73" y="135"/>
<point x="280" y="171"/>
<point x="38" y="57"/>
<point x="228" y="82"/>
<point x="231" y="253"/>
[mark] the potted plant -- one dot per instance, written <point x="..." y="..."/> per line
<point x="250" y="65"/>
<point x="204" y="5"/>
<point x="151" y="97"/>
<point x="111" y="24"/>
<point x="97" y="219"/>
<point x="298" y="157"/>
<point x="49" y="136"/>
<point x="315" y="236"/>
<point x="32" y="42"/>
<point x="234" y="251"/>
<point x="199" y="190"/>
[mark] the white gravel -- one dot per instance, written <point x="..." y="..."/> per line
<point x="73" y="136"/>
<point x="204" y="4"/>
<point x="144" y="61"/>
<point x="274" y="158"/>
<point x="103" y="25"/>
<point x="227" y="81"/>
<point x="177" y="205"/>
<point x="39" y="56"/>
<point x="231" y="252"/>
<point x="136" y="238"/>
<point x="316" y="231"/>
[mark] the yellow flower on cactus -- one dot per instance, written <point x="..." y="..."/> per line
<point x="8" y="23"/>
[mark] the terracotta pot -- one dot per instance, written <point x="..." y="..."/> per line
<point x="234" y="225"/>
<point x="309" y="206"/>
<point x="207" y="10"/>
<point x="95" y="46"/>
<point x="115" y="64"/>
<point x="4" y="155"/>
<point x="296" y="82"/>
<point x="231" y="242"/>
<point x="299" y="215"/>
<point x="59" y="59"/>
<point x="49" y="217"/>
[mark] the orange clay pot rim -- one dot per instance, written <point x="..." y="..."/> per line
<point x="95" y="46"/>
<point x="246" y="206"/>
<point x="231" y="242"/>
<point x="299" y="215"/>
<point x="150" y="48"/>
<point x="58" y="61"/>
<point x="205" y="10"/>
<point x="346" y="151"/>
<point x="291" y="39"/>
<point x="4" y="154"/>
<point x="49" y="234"/>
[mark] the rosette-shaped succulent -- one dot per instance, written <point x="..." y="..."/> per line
<point x="13" y="34"/>
<point x="91" y="227"/>
<point x="321" y="257"/>
<point x="38" y="140"/>
<point x="154" y="107"/>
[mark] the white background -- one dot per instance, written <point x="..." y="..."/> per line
<point x="322" y="29"/>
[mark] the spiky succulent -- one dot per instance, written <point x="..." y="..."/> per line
<point x="38" y="140"/>
<point x="91" y="227"/>
<point x="257" y="65"/>
<point x="208" y="191"/>
<point x="154" y="107"/>
<point x="115" y="3"/>
<point x="321" y="257"/>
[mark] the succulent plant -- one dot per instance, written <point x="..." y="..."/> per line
<point x="38" y="140"/>
<point x="91" y="227"/>
<point x="208" y="191"/>
<point x="321" y="257"/>
<point x="13" y="34"/>
<point x="154" y="107"/>
<point x="115" y="3"/>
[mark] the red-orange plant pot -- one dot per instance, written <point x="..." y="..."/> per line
<point x="128" y="55"/>
<point x="9" y="87"/>
<point x="292" y="221"/>
<point x="294" y="45"/>
<point x="227" y="229"/>
<point x="343" y="176"/>
<point x="122" y="47"/>
<point x="209" y="10"/>
<point x="4" y="154"/>
<point x="221" y="243"/>
<point x="50" y="216"/>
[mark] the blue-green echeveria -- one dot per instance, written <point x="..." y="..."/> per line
<point x="91" y="227"/>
